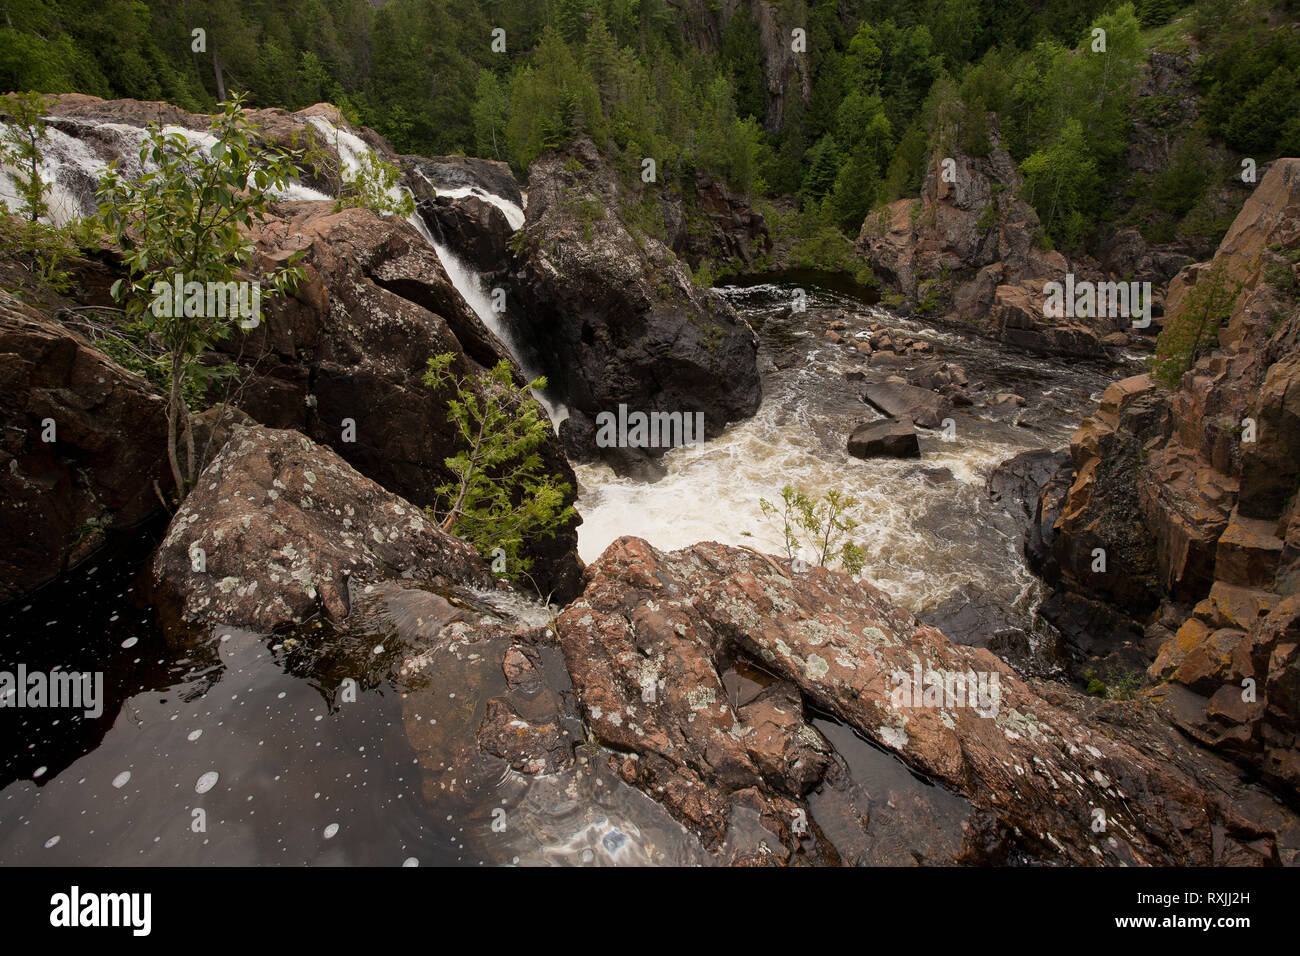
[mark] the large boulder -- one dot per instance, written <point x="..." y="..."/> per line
<point x="342" y="360"/>
<point x="657" y="640"/>
<point x="922" y="406"/>
<point x="472" y="228"/>
<point x="278" y="527"/>
<point x="885" y="439"/>
<point x="83" y="447"/>
<point x="613" y="315"/>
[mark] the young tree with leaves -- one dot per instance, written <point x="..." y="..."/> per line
<point x="501" y="496"/>
<point x="188" y="213"/>
<point x="20" y="149"/>
<point x="826" y="523"/>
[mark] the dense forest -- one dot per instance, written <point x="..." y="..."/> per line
<point x="882" y="83"/>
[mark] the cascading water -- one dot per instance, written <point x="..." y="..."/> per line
<point x="291" y="777"/>
<point x="73" y="169"/>
<point x="354" y="153"/>
<point x="932" y="537"/>
<point x="473" y="289"/>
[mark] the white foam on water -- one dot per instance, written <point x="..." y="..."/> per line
<point x="926" y="536"/>
<point x="70" y="168"/>
<point x="514" y="215"/>
<point x="712" y="491"/>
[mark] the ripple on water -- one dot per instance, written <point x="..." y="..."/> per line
<point x="927" y="536"/>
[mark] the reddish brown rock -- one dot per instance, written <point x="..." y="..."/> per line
<point x="278" y="527"/>
<point x="58" y="498"/>
<point x="1032" y="771"/>
<point x="971" y="246"/>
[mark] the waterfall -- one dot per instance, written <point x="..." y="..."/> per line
<point x="514" y="215"/>
<point x="353" y="151"/>
<point x="73" y="169"/>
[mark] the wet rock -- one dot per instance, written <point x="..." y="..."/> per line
<point x="477" y="231"/>
<point x="612" y="314"/>
<point x="97" y="473"/>
<point x="1033" y="770"/>
<point x="343" y="359"/>
<point x="1042" y="528"/>
<point x="527" y="747"/>
<point x="1018" y="482"/>
<point x="922" y="406"/>
<point x="788" y="751"/>
<point x="1102" y="508"/>
<point x="278" y="528"/>
<point x="462" y="173"/>
<point x="892" y="438"/>
<point x="463" y="200"/>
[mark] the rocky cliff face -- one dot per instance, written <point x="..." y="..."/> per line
<point x="472" y="206"/>
<point x="1192" y="496"/>
<point x="82" y="447"/>
<point x="351" y="345"/>
<point x="716" y="226"/>
<point x="340" y="361"/>
<point x="614" y="317"/>
<point x="968" y="251"/>
<point x="786" y="74"/>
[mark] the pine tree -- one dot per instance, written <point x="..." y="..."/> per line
<point x="1195" y="327"/>
<point x="502" y="496"/>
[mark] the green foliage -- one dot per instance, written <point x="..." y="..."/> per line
<point x="819" y="244"/>
<point x="189" y="214"/>
<point x="20" y="150"/>
<point x="490" y="114"/>
<point x="1251" y="78"/>
<point x="857" y="186"/>
<point x="39" y="250"/>
<point x="373" y="184"/>
<point x="1060" y="181"/>
<point x="932" y="297"/>
<point x="501" y="497"/>
<point x="822" y="163"/>
<point x="1195" y="327"/>
<point x="376" y="185"/>
<point x="1117" y="685"/>
<point x="1079" y="105"/>
<point x="818" y="526"/>
<point x="891" y="86"/>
